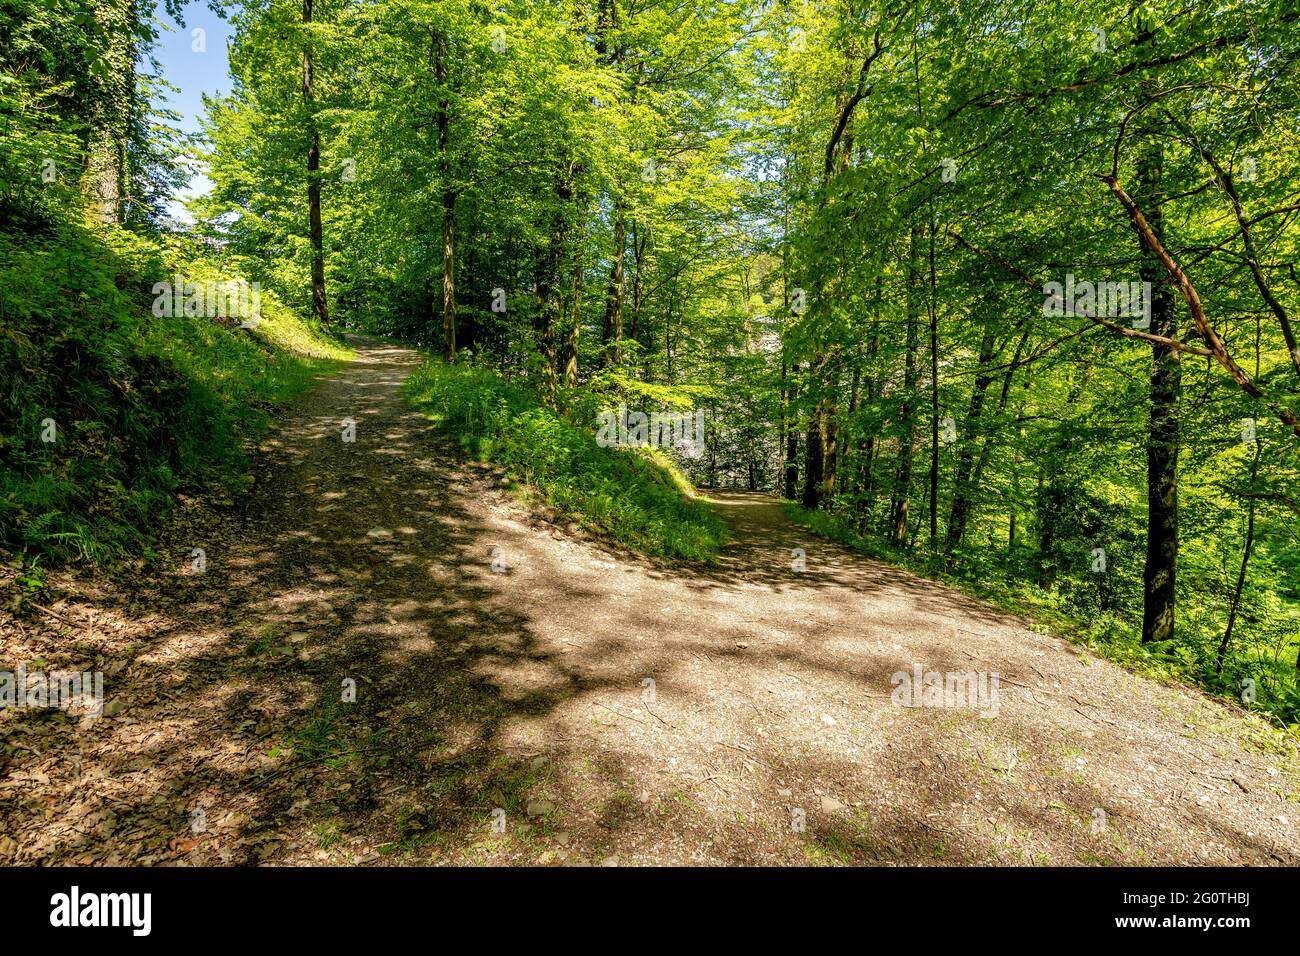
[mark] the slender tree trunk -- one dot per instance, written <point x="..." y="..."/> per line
<point x="448" y="205"/>
<point x="821" y="448"/>
<point x="1015" y="498"/>
<point x="668" y="335"/>
<point x="1162" y="434"/>
<point x="869" y="444"/>
<point x="791" y="436"/>
<point x="788" y="479"/>
<point x="319" y="303"/>
<point x="813" y="453"/>
<point x="821" y="443"/>
<point x="986" y="449"/>
<point x="575" y="307"/>
<point x="639" y="241"/>
<point x="1241" y="575"/>
<point x="1046" y="508"/>
<point x="966" y="458"/>
<point x="549" y="296"/>
<point x="781" y="422"/>
<point x="613" y="328"/>
<point x="907" y="415"/>
<point x="1250" y="537"/>
<point x="830" y="423"/>
<point x="934" y="402"/>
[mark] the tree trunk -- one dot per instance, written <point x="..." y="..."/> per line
<point x="613" y="328"/>
<point x="821" y="443"/>
<point x="1241" y="575"/>
<point x="976" y="479"/>
<point x="781" y="423"/>
<point x="868" y="446"/>
<point x="640" y="238"/>
<point x="791" y="461"/>
<point x="549" y="296"/>
<point x="1162" y="432"/>
<point x="934" y="403"/>
<point x="575" y="305"/>
<point x="791" y="450"/>
<point x="448" y="206"/>
<point x="104" y="182"/>
<point x="907" y="416"/>
<point x="812" y="455"/>
<point x="966" y="459"/>
<point x="319" y="303"/>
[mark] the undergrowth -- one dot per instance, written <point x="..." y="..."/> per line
<point x="635" y="496"/>
<point x="107" y="410"/>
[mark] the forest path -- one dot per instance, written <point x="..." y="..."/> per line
<point x="525" y="695"/>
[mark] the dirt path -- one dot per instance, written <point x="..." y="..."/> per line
<point x="597" y="706"/>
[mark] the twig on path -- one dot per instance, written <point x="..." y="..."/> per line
<point x="741" y="747"/>
<point x="119" y="800"/>
<point x="747" y="751"/>
<point x="621" y="714"/>
<point x="713" y="777"/>
<point x="315" y="760"/>
<point x="1025" y="687"/>
<point x="654" y="715"/>
<point x="761" y="711"/>
<point x="1098" y="719"/>
<point x="57" y="617"/>
<point x="1215" y="776"/>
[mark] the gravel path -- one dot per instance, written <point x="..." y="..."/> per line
<point x="526" y="695"/>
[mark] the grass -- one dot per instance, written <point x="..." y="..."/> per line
<point x="107" y="410"/>
<point x="634" y="496"/>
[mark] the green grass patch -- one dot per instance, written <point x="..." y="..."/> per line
<point x="108" y="410"/>
<point x="634" y="496"/>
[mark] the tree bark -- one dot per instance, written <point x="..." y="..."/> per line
<point x="575" y="305"/>
<point x="104" y="183"/>
<point x="907" y="416"/>
<point x="1241" y="575"/>
<point x="612" y="336"/>
<point x="1160" y="574"/>
<point x="448" y="204"/>
<point x="316" y="232"/>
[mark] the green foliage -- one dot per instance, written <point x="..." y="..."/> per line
<point x="826" y="224"/>
<point x="635" y="496"/>
<point x="136" y="406"/>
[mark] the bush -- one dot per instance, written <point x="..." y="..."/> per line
<point x="635" y="496"/>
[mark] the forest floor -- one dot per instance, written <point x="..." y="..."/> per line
<point x="514" y="674"/>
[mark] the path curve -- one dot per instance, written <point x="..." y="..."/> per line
<point x="610" y="708"/>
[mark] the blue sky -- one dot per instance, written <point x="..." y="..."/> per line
<point x="194" y="73"/>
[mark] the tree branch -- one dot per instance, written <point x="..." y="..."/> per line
<point x="1217" y="348"/>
